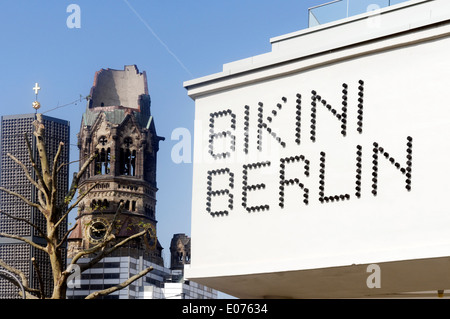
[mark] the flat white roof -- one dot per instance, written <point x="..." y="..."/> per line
<point x="335" y="35"/>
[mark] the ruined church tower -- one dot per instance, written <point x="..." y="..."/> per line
<point x="118" y="127"/>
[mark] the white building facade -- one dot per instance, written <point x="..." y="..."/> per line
<point x="320" y="168"/>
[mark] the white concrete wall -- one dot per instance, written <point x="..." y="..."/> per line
<point x="406" y="81"/>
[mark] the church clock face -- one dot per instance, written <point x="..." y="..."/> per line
<point x="96" y="230"/>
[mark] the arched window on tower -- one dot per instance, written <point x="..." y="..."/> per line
<point x="102" y="161"/>
<point x="127" y="158"/>
<point x="102" y="158"/>
<point x="99" y="205"/>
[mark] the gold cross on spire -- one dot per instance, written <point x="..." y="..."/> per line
<point x="36" y="104"/>
<point x="36" y="89"/>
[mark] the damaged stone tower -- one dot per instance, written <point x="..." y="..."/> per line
<point x="118" y="127"/>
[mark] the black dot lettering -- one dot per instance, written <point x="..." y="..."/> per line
<point x="404" y="170"/>
<point x="342" y="117"/>
<point x="246" y="187"/>
<point x="220" y="200"/>
<point x="214" y="135"/>
<point x="322" y="197"/>
<point x="219" y="192"/>
<point x="263" y="125"/>
<point x="360" y="106"/>
<point x="286" y="182"/>
<point x="246" y="127"/>
<point x="358" y="171"/>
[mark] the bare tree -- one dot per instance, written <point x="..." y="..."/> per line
<point x="56" y="214"/>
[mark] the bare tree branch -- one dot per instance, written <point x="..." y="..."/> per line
<point x="107" y="239"/>
<point x="26" y="200"/>
<point x="39" y="134"/>
<point x="72" y="162"/>
<point x="72" y="193"/>
<point x="25" y="170"/>
<point x="25" y="240"/>
<point x="126" y="240"/>
<point x="42" y="201"/>
<point x="47" y="185"/>
<point x="26" y="221"/>
<point x="54" y="177"/>
<point x="113" y="223"/>
<point x="39" y="186"/>
<point x="91" y="250"/>
<point x="38" y="272"/>
<point x="75" y="204"/>
<point x="55" y="162"/>
<point x="76" y="179"/>
<point x="103" y="245"/>
<point x="66" y="235"/>
<point x="23" y="279"/>
<point x="107" y="252"/>
<point x="33" y="163"/>
<point x="124" y="284"/>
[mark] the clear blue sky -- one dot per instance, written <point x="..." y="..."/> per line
<point x="173" y="41"/>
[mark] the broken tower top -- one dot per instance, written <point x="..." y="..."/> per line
<point x="125" y="88"/>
